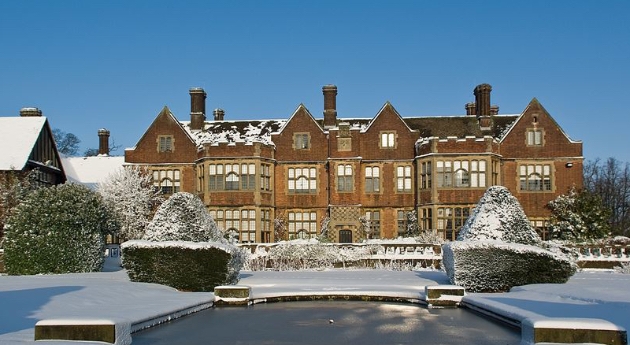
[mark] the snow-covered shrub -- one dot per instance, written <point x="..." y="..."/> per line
<point x="493" y="266"/>
<point x="497" y="249"/>
<point x="618" y="240"/>
<point x="14" y="186"/>
<point x="59" y="229"/>
<point x="624" y="268"/>
<point x="302" y="254"/>
<point x="131" y="194"/>
<point x="498" y="216"/>
<point x="429" y="236"/>
<point x="578" y="216"/>
<point x="412" y="224"/>
<point x="187" y="266"/>
<point x="183" y="217"/>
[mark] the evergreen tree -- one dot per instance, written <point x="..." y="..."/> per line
<point x="14" y="186"/>
<point x="578" y="216"/>
<point x="413" y="229"/>
<point x="183" y="217"/>
<point x="498" y="216"/>
<point x="60" y="229"/>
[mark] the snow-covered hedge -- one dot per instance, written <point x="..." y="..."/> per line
<point x="497" y="249"/>
<point x="183" y="248"/>
<point x="187" y="266"/>
<point x="59" y="229"/>
<point x="493" y="266"/>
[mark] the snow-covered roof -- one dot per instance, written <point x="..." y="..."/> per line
<point x="90" y="171"/>
<point x="18" y="136"/>
<point x="244" y="131"/>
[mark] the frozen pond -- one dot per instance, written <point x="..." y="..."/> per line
<point x="352" y="323"/>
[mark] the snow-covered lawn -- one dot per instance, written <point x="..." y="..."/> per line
<point x="109" y="295"/>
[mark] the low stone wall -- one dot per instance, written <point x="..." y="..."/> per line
<point x="572" y="331"/>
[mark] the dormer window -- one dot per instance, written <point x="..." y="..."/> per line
<point x="388" y="140"/>
<point x="534" y="137"/>
<point x="165" y="143"/>
<point x="301" y="141"/>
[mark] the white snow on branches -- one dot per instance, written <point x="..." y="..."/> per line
<point x="183" y="217"/>
<point x="130" y="193"/>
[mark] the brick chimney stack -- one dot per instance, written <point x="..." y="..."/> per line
<point x="330" y="105"/>
<point x="197" y="108"/>
<point x="482" y="99"/>
<point x="219" y="114"/>
<point x="24" y="112"/>
<point x="103" y="142"/>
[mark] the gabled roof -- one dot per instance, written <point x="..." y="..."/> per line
<point x="166" y="112"/>
<point x="18" y="136"/>
<point x="535" y="103"/>
<point x="301" y="108"/>
<point x="390" y="107"/>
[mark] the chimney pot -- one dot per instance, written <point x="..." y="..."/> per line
<point x="103" y="142"/>
<point x="219" y="114"/>
<point x="494" y="110"/>
<point x="24" y="112"/>
<point x="330" y="105"/>
<point x="470" y="108"/>
<point x="197" y="108"/>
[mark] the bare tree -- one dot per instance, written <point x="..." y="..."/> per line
<point x="67" y="143"/>
<point x="610" y="180"/>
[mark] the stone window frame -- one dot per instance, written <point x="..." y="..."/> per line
<point x="535" y="177"/>
<point x="302" y="140"/>
<point x="372" y="183"/>
<point x="404" y="182"/>
<point x="297" y="224"/>
<point x="534" y="140"/>
<point x="168" y="181"/>
<point x="238" y="176"/>
<point x="388" y="140"/>
<point x="165" y="143"/>
<point x="450" y="219"/>
<point x="296" y="176"/>
<point x="242" y="221"/>
<point x="344" y="174"/>
<point x="461" y="173"/>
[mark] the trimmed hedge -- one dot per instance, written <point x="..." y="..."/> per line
<point x="182" y="265"/>
<point x="492" y="266"/>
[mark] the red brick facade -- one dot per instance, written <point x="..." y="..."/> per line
<point x="360" y="177"/>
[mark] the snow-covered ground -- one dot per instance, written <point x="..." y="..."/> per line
<point x="109" y="295"/>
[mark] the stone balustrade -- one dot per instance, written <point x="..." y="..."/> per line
<point x="589" y="255"/>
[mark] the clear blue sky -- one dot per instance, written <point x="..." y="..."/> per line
<point x="115" y="64"/>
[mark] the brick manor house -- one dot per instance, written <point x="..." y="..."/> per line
<point x="309" y="171"/>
